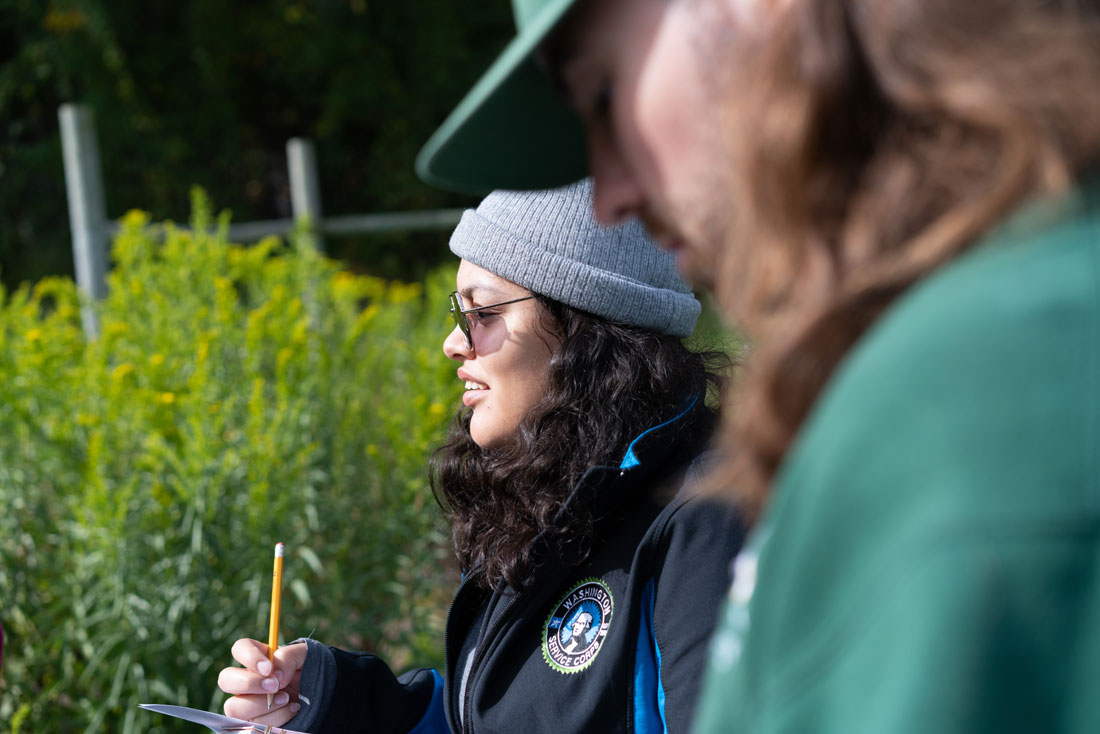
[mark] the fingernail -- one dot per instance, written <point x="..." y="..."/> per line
<point x="264" y="667"/>
<point x="270" y="684"/>
<point x="294" y="708"/>
<point x="281" y="698"/>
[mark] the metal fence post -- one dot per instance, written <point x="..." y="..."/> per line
<point x="305" y="187"/>
<point x="87" y="210"/>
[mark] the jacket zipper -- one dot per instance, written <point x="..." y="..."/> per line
<point x="479" y="655"/>
<point x="447" y="651"/>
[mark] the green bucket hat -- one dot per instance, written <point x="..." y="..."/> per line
<point x="512" y="130"/>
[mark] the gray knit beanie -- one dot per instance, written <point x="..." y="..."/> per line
<point x="550" y="243"/>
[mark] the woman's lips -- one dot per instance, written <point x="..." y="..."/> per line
<point x="471" y="397"/>
<point x="474" y="390"/>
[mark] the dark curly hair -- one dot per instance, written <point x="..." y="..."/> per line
<point x="607" y="383"/>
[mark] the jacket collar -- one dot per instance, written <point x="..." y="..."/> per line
<point x="647" y="457"/>
<point x="643" y="444"/>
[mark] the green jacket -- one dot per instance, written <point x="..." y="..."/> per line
<point x="930" y="561"/>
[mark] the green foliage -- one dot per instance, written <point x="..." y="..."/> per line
<point x="236" y="396"/>
<point x="208" y="92"/>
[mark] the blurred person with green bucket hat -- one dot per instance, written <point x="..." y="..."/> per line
<point x="897" y="202"/>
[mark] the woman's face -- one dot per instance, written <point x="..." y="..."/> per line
<point x="506" y="370"/>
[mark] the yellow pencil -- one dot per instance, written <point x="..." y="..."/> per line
<point x="276" y="599"/>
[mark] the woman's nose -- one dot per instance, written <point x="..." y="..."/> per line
<point x="455" y="346"/>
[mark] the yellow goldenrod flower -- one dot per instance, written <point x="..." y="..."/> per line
<point x="369" y="313"/>
<point x="135" y="218"/>
<point x="115" y="328"/>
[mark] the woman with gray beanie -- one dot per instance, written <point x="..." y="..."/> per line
<point x="591" y="573"/>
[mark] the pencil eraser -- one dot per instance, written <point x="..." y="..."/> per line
<point x="278" y="550"/>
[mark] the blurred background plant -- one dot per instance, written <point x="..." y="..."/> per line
<point x="237" y="396"/>
<point x="208" y="92"/>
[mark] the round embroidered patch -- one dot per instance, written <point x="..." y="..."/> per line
<point x="576" y="629"/>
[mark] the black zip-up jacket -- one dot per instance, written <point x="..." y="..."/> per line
<point x="614" y="644"/>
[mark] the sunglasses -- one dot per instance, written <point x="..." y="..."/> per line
<point x="459" y="314"/>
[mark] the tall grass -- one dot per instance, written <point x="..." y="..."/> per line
<point x="237" y="396"/>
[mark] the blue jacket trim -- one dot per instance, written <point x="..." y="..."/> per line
<point x="649" y="693"/>
<point x="631" y="460"/>
<point x="434" y="720"/>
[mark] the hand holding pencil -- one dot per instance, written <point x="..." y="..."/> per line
<point x="269" y="670"/>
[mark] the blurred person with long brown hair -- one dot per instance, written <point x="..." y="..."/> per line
<point x="898" y="202"/>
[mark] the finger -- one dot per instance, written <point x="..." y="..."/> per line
<point x="289" y="660"/>
<point x="245" y="707"/>
<point x="240" y="681"/>
<point x="250" y="706"/>
<point x="254" y="708"/>
<point x="252" y="654"/>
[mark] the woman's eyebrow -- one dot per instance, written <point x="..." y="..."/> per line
<point x="489" y="293"/>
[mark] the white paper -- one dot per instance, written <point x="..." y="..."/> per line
<point x="214" y="722"/>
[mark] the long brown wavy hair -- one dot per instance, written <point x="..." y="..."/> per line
<point x="607" y="383"/>
<point x="885" y="137"/>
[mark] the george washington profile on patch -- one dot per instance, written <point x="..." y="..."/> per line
<point x="576" y="629"/>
